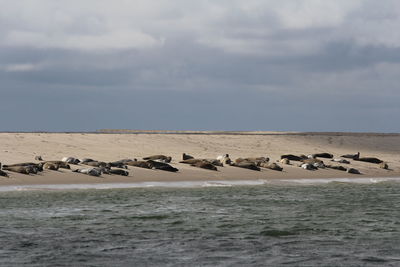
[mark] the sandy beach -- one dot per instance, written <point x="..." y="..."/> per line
<point x="23" y="147"/>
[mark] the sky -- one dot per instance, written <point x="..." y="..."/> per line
<point x="273" y="65"/>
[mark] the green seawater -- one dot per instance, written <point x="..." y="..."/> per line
<point x="335" y="224"/>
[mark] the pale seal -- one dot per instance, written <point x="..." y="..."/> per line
<point x="70" y="160"/>
<point x="89" y="171"/>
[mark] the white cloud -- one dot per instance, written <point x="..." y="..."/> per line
<point x="119" y="39"/>
<point x="21" y="67"/>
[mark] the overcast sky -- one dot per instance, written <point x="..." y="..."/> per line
<point x="310" y="65"/>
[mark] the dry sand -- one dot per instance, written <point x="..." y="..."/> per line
<point x="23" y="147"/>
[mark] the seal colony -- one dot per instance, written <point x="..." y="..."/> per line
<point x="33" y="158"/>
<point x="96" y="168"/>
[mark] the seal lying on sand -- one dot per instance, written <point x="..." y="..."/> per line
<point x="224" y="159"/>
<point x="353" y="171"/>
<point x="351" y="156"/>
<point x="89" y="171"/>
<point x="204" y="165"/>
<point x="191" y="161"/>
<point x="84" y="160"/>
<point x="161" y="158"/>
<point x="293" y="157"/>
<point x="118" y="172"/>
<point x="323" y="155"/>
<point x="285" y="161"/>
<point x="96" y="164"/>
<point x="39" y="158"/>
<point x="61" y="164"/>
<point x="70" y="160"/>
<point x="370" y="160"/>
<point x="214" y="162"/>
<point x="271" y="166"/>
<point x="308" y="166"/>
<point x="335" y="167"/>
<point x="341" y="161"/>
<point x="51" y="166"/>
<point x="312" y="161"/>
<point x="161" y="166"/>
<point x="18" y="169"/>
<point x="247" y="165"/>
<point x="117" y="164"/>
<point x="140" y="164"/>
<point x="2" y="173"/>
<point x="257" y="161"/>
<point x="32" y="167"/>
<point x="186" y="156"/>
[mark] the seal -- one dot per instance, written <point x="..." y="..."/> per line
<point x="191" y="161"/>
<point x="61" y="164"/>
<point x="161" y="158"/>
<point x="246" y="165"/>
<point x="293" y="157"/>
<point x="140" y="164"/>
<point x="18" y="169"/>
<point x="84" y="160"/>
<point x="186" y="156"/>
<point x="117" y="164"/>
<point x="96" y="164"/>
<point x="312" y="161"/>
<point x="271" y="166"/>
<point x="118" y="172"/>
<point x="323" y="155"/>
<point x="204" y="165"/>
<point x="161" y="166"/>
<point x="353" y="171"/>
<point x="71" y="160"/>
<point x="51" y="166"/>
<point x="3" y="173"/>
<point x="308" y="166"/>
<point x="285" y="161"/>
<point x="335" y="167"/>
<point x="224" y="159"/>
<point x="370" y="160"/>
<point x="89" y="171"/>
<point x="34" y="167"/>
<point x="256" y="160"/>
<point x="39" y="158"/>
<point x="341" y="161"/>
<point x="352" y="156"/>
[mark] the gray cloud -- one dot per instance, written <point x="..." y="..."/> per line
<point x="225" y="65"/>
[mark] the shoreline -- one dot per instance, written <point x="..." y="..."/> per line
<point x="196" y="184"/>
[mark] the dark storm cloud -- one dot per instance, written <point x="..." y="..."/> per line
<point x="225" y="65"/>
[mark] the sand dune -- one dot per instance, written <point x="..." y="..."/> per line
<point x="23" y="147"/>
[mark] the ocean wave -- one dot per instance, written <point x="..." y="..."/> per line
<point x="197" y="184"/>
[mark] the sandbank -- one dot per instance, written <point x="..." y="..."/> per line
<point x="112" y="146"/>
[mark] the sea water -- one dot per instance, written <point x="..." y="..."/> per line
<point x="211" y="224"/>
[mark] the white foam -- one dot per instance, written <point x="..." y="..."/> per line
<point x="335" y="180"/>
<point x="199" y="184"/>
<point x="180" y="184"/>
